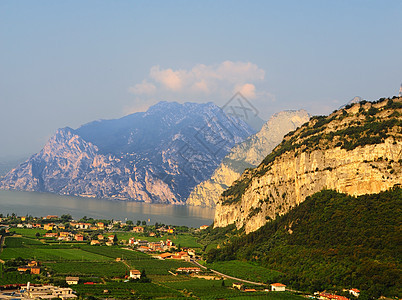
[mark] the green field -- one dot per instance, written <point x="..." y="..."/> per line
<point x="90" y="269"/>
<point x="125" y="290"/>
<point x="245" y="270"/>
<point x="99" y="264"/>
<point x="33" y="249"/>
<point x="29" y="232"/>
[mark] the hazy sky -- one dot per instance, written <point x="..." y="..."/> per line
<point x="65" y="63"/>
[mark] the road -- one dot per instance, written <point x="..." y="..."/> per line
<point x="228" y="276"/>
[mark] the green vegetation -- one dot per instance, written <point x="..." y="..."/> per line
<point x="336" y="239"/>
<point x="246" y="270"/>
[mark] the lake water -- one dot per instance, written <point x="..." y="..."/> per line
<point x="43" y="204"/>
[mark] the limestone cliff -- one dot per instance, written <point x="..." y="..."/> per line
<point x="245" y="155"/>
<point x="355" y="150"/>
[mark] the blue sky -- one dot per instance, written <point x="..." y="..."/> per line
<point x="65" y="63"/>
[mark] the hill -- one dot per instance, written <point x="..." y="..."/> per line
<point x="330" y="241"/>
<point x="355" y="150"/>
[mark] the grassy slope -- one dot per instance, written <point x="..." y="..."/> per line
<point x="331" y="238"/>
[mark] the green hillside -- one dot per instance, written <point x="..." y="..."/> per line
<point x="330" y="241"/>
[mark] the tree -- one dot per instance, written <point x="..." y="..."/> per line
<point x="138" y="222"/>
<point x="66" y="218"/>
<point x="144" y="223"/>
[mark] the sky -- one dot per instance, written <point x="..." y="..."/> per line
<point x="66" y="63"/>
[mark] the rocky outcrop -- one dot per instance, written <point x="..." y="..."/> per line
<point x="246" y="155"/>
<point x="356" y="150"/>
<point x="156" y="156"/>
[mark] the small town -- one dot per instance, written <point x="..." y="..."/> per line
<point x="125" y="246"/>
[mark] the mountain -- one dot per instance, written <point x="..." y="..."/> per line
<point x="356" y="150"/>
<point x="153" y="156"/>
<point x="356" y="99"/>
<point x="248" y="154"/>
<point x="330" y="241"/>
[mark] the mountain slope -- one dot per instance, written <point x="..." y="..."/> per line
<point x="355" y="150"/>
<point x="248" y="154"/>
<point x="156" y="156"/>
<point x="330" y="241"/>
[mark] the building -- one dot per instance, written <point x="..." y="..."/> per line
<point x="95" y="242"/>
<point x="189" y="270"/>
<point x="165" y="255"/>
<point x="35" y="270"/>
<point x="72" y="280"/>
<point x="138" y="229"/>
<point x="79" y="237"/>
<point x="237" y="285"/>
<point x="327" y="296"/>
<point x="135" y="274"/>
<point x="278" y="287"/>
<point x="47" y="292"/>
<point x="354" y="292"/>
<point x="204" y="227"/>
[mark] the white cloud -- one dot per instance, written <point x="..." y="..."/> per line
<point x="247" y="90"/>
<point x="212" y="80"/>
<point x="143" y="88"/>
<point x="202" y="83"/>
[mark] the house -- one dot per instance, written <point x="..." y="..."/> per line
<point x="204" y="227"/>
<point x="101" y="237"/>
<point x="170" y="230"/>
<point x="165" y="255"/>
<point x="138" y="229"/>
<point x="152" y="234"/>
<point x="33" y="263"/>
<point x="100" y="225"/>
<point x="72" y="280"/>
<point x="131" y="241"/>
<point x="35" y="270"/>
<point x="51" y="217"/>
<point x="278" y="287"/>
<point x="49" y="226"/>
<point x="135" y="274"/>
<point x="189" y="270"/>
<point x="109" y="244"/>
<point x="51" y="234"/>
<point x="79" y="237"/>
<point x="327" y="296"/>
<point x="95" y="242"/>
<point x="237" y="285"/>
<point x="111" y="238"/>
<point x="23" y="269"/>
<point x="354" y="292"/>
<point x="23" y="218"/>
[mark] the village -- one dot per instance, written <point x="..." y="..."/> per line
<point x="155" y="242"/>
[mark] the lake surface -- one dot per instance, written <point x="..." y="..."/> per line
<point x="43" y="204"/>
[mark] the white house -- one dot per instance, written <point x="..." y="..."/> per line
<point x="354" y="292"/>
<point x="135" y="274"/>
<point x="278" y="287"/>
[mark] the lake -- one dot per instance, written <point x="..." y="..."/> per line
<point x="43" y="204"/>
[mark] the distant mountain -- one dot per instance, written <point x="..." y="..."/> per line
<point x="8" y="163"/>
<point x="153" y="156"/>
<point x="356" y="99"/>
<point x="248" y="154"/>
<point x="356" y="150"/>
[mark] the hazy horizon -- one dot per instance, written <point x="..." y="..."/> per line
<point x="70" y="63"/>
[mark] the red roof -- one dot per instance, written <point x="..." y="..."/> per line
<point x="278" y="284"/>
<point x="355" y="290"/>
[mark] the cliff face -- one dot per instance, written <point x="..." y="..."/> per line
<point x="356" y="150"/>
<point x="156" y="156"/>
<point x="245" y="155"/>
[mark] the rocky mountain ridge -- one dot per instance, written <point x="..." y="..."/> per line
<point x="355" y="150"/>
<point x="155" y="156"/>
<point x="247" y="154"/>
